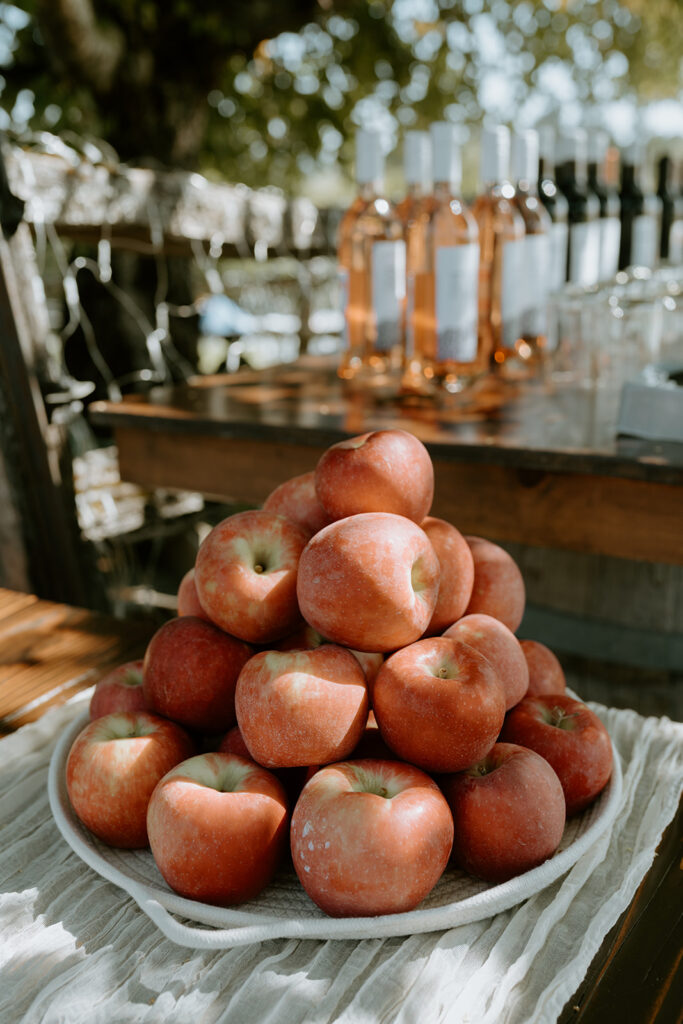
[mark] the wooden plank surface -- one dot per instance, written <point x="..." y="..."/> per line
<point x="537" y="426"/>
<point x="582" y="512"/>
<point x="48" y="652"/>
<point x="636" y="974"/>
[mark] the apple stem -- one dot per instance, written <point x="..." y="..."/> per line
<point x="258" y="568"/>
<point x="562" y="719"/>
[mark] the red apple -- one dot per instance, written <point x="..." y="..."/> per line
<point x="508" y="813"/>
<point x="119" y="690"/>
<point x="383" y="471"/>
<point x="502" y="648"/>
<point x="369" y="582"/>
<point x="370" y="837"/>
<point x="457" y="573"/>
<point x="545" y="672"/>
<point x="307" y="638"/>
<point x="190" y="672"/>
<point x="245" y="575"/>
<point x="188" y="599"/>
<point x="299" y="708"/>
<point x="233" y="743"/>
<point x="112" y="769"/>
<point x="498" y="584"/>
<point x="570" y="737"/>
<point x="297" y="501"/>
<point x="439" y="704"/>
<point x="218" y="828"/>
<point x="292" y="779"/>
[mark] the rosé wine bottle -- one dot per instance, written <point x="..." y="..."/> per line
<point x="371" y="257"/>
<point x="501" y="240"/>
<point x="442" y="353"/>
<point x="537" y="252"/>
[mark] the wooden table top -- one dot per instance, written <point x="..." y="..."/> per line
<point x="49" y="652"/>
<point x="532" y="426"/>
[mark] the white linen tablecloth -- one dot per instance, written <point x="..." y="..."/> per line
<point x="74" y="948"/>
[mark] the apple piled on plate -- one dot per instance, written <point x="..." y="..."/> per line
<point x="348" y="665"/>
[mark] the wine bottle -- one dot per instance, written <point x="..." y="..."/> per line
<point x="501" y="244"/>
<point x="671" y="198"/>
<point x="609" y="223"/>
<point x="417" y="162"/>
<point x="557" y="206"/>
<point x="583" y="259"/>
<point x="640" y="212"/>
<point x="442" y="352"/>
<point x="371" y="257"/>
<point x="537" y="244"/>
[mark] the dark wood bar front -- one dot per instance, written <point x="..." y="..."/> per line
<point x="541" y="465"/>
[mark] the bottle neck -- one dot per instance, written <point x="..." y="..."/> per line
<point x="526" y="188"/>
<point x="445" y="190"/>
<point x="546" y="169"/>
<point x="368" y="190"/>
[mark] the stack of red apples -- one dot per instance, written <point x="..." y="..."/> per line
<point x="343" y="680"/>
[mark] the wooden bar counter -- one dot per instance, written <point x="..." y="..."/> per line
<point x="534" y="464"/>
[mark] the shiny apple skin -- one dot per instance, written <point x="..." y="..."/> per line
<point x="546" y="674"/>
<point x="439" y="704"/>
<point x="218" y="828"/>
<point x="508" y="813"/>
<point x="381" y="471"/>
<point x="457" y="573"/>
<point x="112" y="768"/>
<point x="296" y="500"/>
<point x="358" y="853"/>
<point x="188" y="599"/>
<point x="119" y="690"/>
<point x="190" y="673"/>
<point x="369" y="582"/>
<point x="246" y="572"/>
<point x="498" y="584"/>
<point x="494" y="640"/>
<point x="571" y="738"/>
<point x="300" y="708"/>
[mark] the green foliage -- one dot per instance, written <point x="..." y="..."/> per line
<point x="266" y="90"/>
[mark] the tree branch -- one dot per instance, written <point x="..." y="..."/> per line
<point x="92" y="51"/>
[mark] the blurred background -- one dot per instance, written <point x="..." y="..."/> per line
<point x="270" y="92"/>
<point x="264" y="97"/>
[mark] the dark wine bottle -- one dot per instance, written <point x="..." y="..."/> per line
<point x="556" y="205"/>
<point x="583" y="262"/>
<point x="608" y="197"/>
<point x="667" y="192"/>
<point x="640" y="212"/>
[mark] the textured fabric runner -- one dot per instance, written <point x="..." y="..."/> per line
<point x="74" y="948"/>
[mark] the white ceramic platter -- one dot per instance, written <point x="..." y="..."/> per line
<point x="283" y="909"/>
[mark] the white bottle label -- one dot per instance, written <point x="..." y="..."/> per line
<point x="537" y="253"/>
<point x="388" y="292"/>
<point x="644" y="239"/>
<point x="584" y="253"/>
<point x="610" y="237"/>
<point x="676" y="242"/>
<point x="558" y="259"/>
<point x="343" y="278"/>
<point x="512" y="291"/>
<point x="457" y="288"/>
